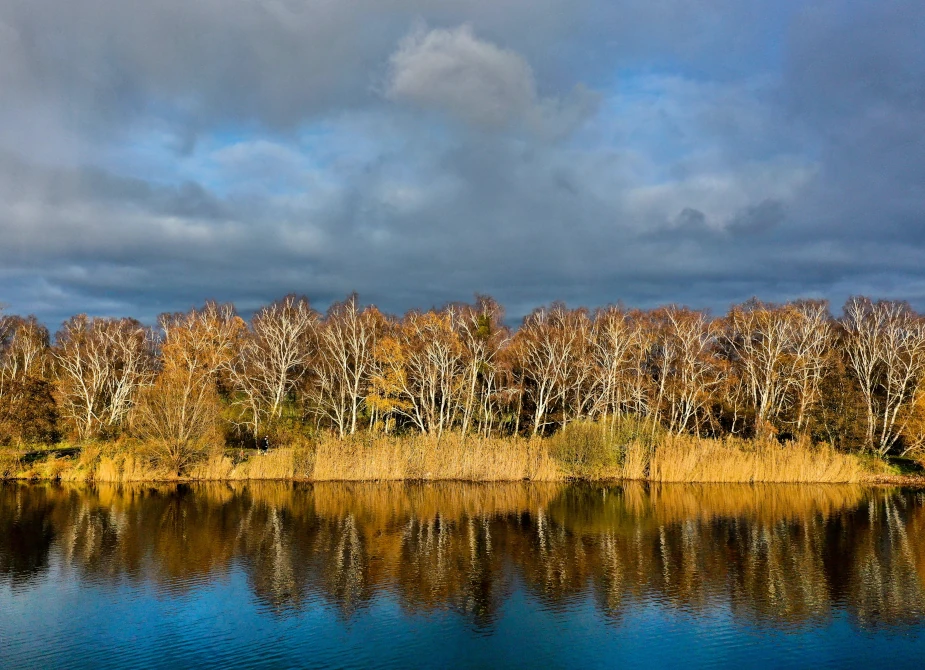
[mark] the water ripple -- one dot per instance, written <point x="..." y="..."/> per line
<point x="450" y="575"/>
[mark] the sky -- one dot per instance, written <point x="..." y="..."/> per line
<point x="158" y="153"/>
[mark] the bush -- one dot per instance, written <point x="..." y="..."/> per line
<point x="177" y="418"/>
<point x="585" y="449"/>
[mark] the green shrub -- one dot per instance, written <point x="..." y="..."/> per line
<point x="585" y="449"/>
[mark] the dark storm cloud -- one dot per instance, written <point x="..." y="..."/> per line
<point x="154" y="154"/>
<point x="63" y="186"/>
<point x="757" y="218"/>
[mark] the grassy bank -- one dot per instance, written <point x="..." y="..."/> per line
<point x="581" y="451"/>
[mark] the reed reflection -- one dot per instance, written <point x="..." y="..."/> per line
<point x="782" y="555"/>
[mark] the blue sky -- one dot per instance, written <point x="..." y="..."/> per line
<point x="156" y="154"/>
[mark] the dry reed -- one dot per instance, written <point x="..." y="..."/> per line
<point x="450" y="457"/>
<point x="687" y="459"/>
<point x="587" y="451"/>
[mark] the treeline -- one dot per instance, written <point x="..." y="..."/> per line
<point x="207" y="377"/>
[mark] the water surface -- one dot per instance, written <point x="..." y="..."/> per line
<point x="516" y="575"/>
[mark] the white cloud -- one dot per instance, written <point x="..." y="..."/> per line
<point x="455" y="72"/>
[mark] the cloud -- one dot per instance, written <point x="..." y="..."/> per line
<point x="757" y="218"/>
<point x="156" y="154"/>
<point x="690" y="219"/>
<point x="452" y="71"/>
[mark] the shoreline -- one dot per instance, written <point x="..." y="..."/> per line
<point x="580" y="456"/>
<point x="885" y="481"/>
<point x="870" y="480"/>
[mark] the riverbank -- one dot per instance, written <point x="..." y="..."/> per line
<point x="583" y="453"/>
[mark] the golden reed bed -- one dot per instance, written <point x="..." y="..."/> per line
<point x="454" y="457"/>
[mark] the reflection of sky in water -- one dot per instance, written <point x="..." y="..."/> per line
<point x="479" y="576"/>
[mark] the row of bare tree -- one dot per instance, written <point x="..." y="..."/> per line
<point x="857" y="381"/>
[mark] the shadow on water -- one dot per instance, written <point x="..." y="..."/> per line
<point x="781" y="555"/>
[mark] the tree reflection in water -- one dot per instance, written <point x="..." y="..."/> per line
<point x="780" y="555"/>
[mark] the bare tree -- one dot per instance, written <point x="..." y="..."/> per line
<point x="100" y="364"/>
<point x="617" y="348"/>
<point x="578" y="376"/>
<point x="345" y="362"/>
<point x="763" y="338"/>
<point x="813" y="345"/>
<point x="272" y="357"/>
<point x="482" y="335"/>
<point x="23" y="348"/>
<point x="779" y="353"/>
<point x="547" y="347"/>
<point x="683" y="366"/>
<point x="427" y="367"/>
<point x="83" y="370"/>
<point x="884" y="345"/>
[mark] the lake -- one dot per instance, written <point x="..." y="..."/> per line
<point x="465" y="575"/>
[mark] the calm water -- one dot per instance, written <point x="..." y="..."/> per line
<point x="461" y="575"/>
